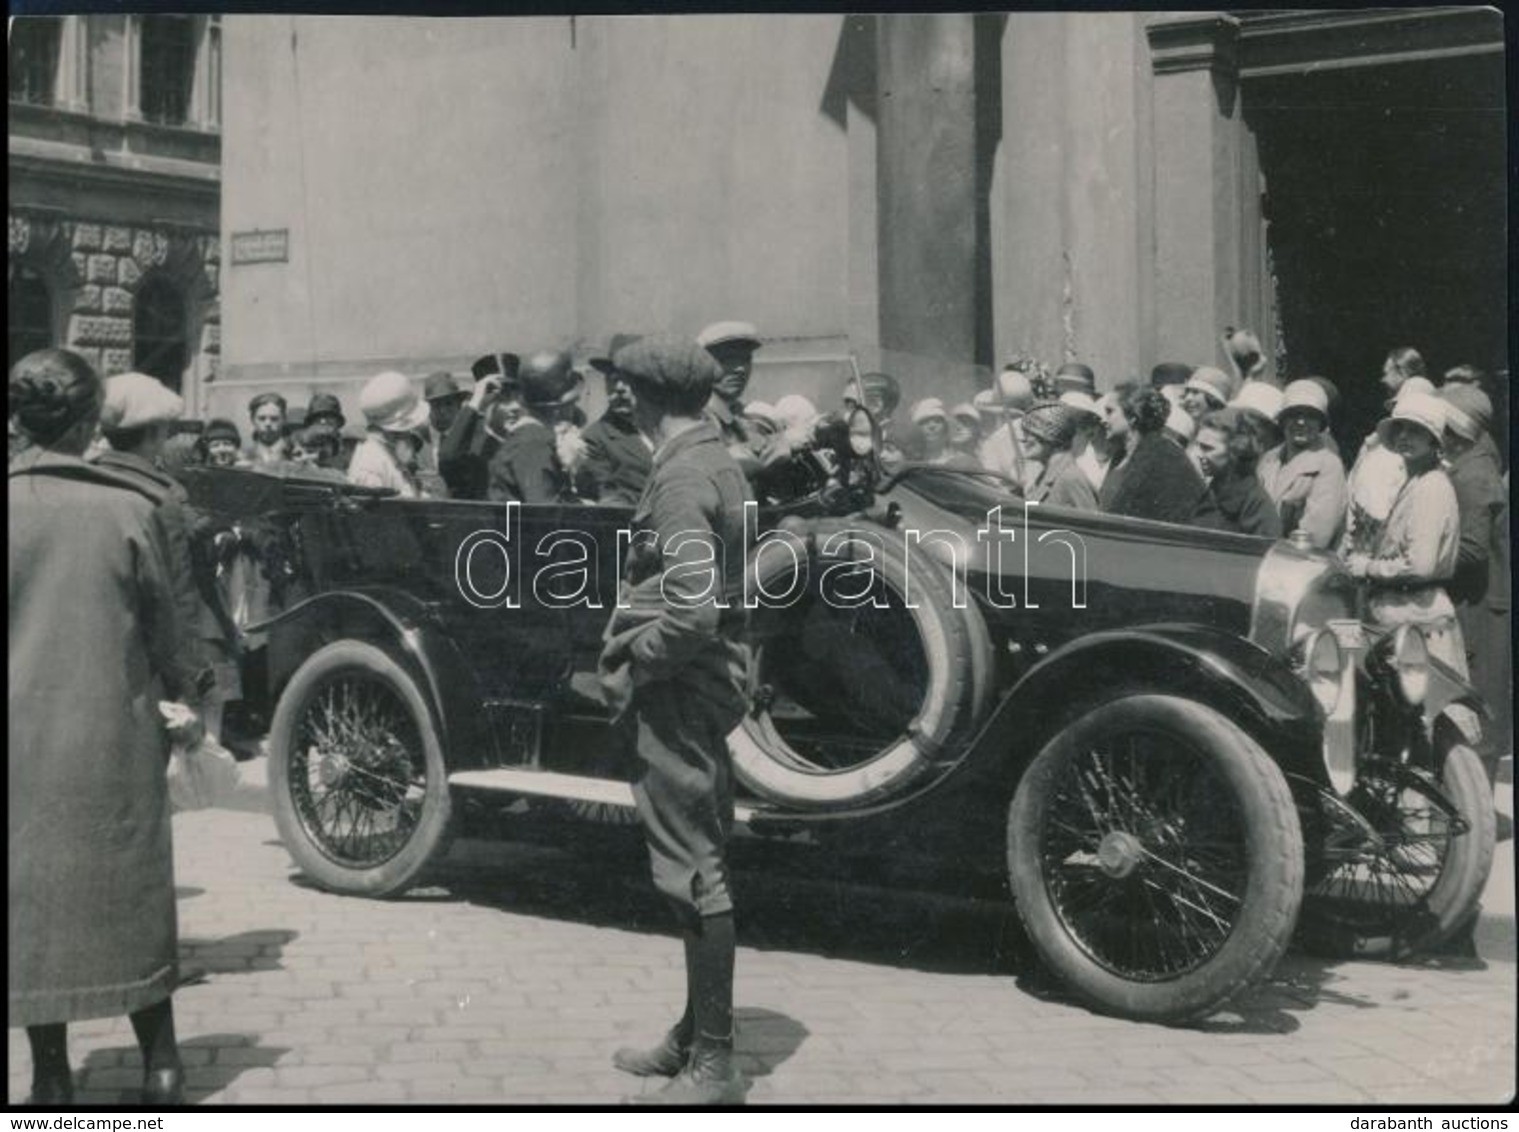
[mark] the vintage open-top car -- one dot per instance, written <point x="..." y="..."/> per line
<point x="1178" y="746"/>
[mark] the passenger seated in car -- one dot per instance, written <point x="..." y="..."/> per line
<point x="1156" y="480"/>
<point x="536" y="460"/>
<point x="1229" y="452"/>
<point x="395" y="414"/>
<point x="314" y="452"/>
<point x="617" y="456"/>
<point x="466" y="447"/>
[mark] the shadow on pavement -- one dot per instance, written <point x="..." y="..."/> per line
<point x="765" y="1038"/>
<point x="233" y="954"/>
<point x="834" y="917"/>
<point x="114" y="1075"/>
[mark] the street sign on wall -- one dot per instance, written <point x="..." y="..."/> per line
<point x="271" y="245"/>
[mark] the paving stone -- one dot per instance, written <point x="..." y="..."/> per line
<point x="375" y="1002"/>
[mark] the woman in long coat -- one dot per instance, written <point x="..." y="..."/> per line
<point x="1415" y="555"/>
<point x="94" y="636"/>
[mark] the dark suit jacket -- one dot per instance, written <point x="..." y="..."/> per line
<point x="464" y="456"/>
<point x="617" y="460"/>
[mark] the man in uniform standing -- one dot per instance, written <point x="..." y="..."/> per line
<point x="754" y="443"/>
<point x="673" y="670"/>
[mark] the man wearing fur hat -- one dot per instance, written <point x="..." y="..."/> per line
<point x="673" y="669"/>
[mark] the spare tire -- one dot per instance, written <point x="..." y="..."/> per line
<point x="856" y="703"/>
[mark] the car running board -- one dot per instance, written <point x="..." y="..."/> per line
<point x="548" y="784"/>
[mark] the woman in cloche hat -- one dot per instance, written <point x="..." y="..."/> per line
<point x="1415" y="553"/>
<point x="1304" y="478"/>
<point x="395" y="415"/>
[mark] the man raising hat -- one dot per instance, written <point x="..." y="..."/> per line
<point x="673" y="671"/>
<point x="466" y="448"/>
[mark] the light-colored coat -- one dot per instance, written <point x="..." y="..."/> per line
<point x="94" y="638"/>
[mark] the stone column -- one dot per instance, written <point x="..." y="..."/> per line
<point x="926" y="160"/>
<point x="1207" y="191"/>
<point x="1070" y="219"/>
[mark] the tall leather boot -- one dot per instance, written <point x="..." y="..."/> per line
<point x="163" y="1076"/>
<point x="52" y="1079"/>
<point x="668" y="1057"/>
<point x="709" y="1076"/>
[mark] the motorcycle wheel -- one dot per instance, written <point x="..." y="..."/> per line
<point x="1423" y="883"/>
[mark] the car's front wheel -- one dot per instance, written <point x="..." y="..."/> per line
<point x="356" y="772"/>
<point x="1156" y="858"/>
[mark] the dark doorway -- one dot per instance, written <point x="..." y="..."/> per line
<point x="159" y="345"/>
<point x="1386" y="199"/>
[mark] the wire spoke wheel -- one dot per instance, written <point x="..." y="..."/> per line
<point x="356" y="768"/>
<point x="1155" y="856"/>
<point x="1401" y="860"/>
<point x="358" y="776"/>
<point x="1144" y="856"/>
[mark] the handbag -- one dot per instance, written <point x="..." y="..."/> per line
<point x="201" y="774"/>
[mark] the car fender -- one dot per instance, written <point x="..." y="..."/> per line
<point x="396" y="620"/>
<point x="1247" y="684"/>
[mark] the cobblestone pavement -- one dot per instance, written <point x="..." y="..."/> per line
<point x="512" y="980"/>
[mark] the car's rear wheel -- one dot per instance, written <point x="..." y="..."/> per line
<point x="356" y="772"/>
<point x="1156" y="858"/>
<point x="1408" y="875"/>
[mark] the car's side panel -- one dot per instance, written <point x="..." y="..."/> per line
<point x="407" y="628"/>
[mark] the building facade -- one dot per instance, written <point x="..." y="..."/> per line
<point x="927" y="194"/>
<point x="114" y="231"/>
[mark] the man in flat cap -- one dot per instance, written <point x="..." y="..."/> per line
<point x="527" y="467"/>
<point x="618" y="456"/>
<point x="755" y="444"/>
<point x="673" y="669"/>
<point x="136" y="419"/>
<point x="465" y="450"/>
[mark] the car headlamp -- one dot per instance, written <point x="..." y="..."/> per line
<point x="1321" y="666"/>
<point x="1409" y="657"/>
